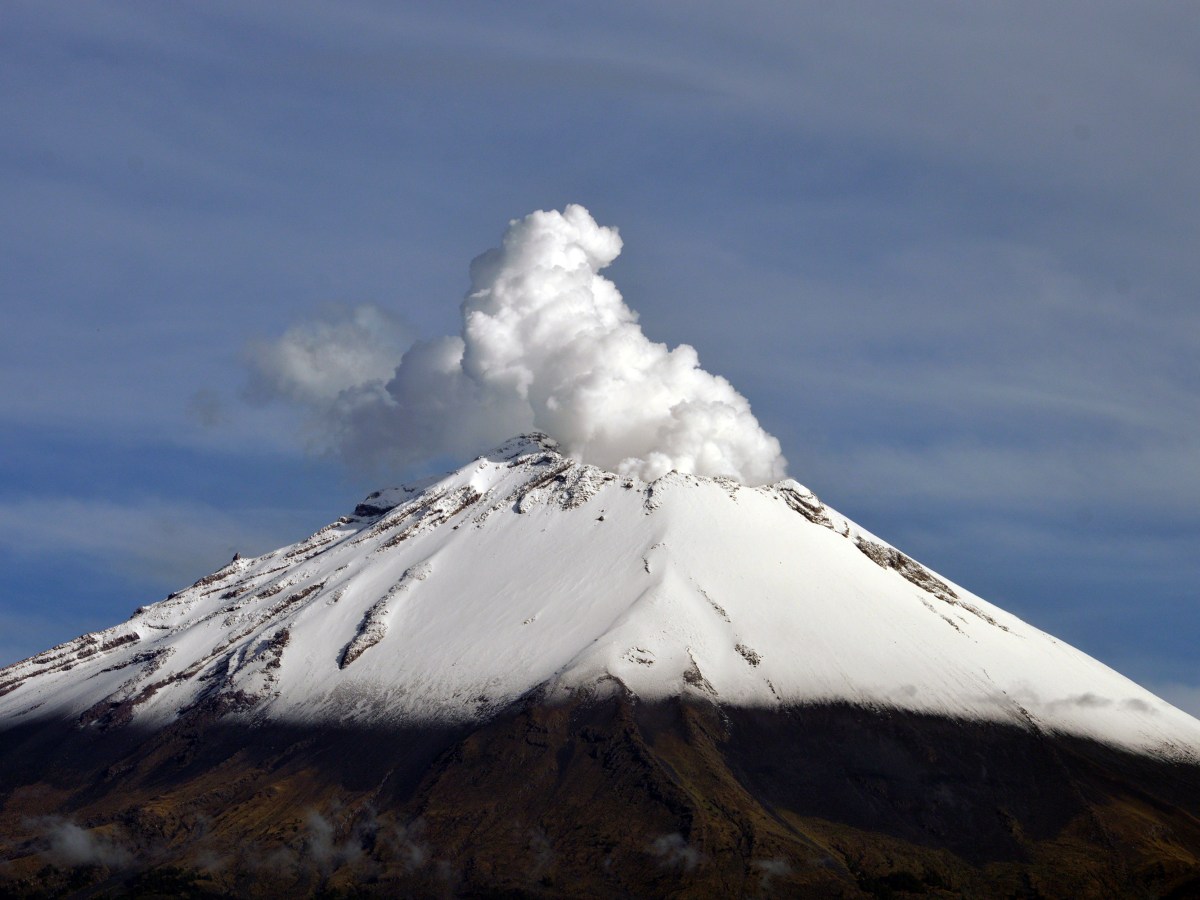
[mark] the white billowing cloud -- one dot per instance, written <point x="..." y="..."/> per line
<point x="547" y="343"/>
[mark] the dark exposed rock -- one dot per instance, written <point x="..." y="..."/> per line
<point x="890" y="558"/>
<point x="367" y="511"/>
<point x="808" y="506"/>
<point x="749" y="655"/>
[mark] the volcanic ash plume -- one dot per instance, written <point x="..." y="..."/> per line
<point x="547" y="344"/>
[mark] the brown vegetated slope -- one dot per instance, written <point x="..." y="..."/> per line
<point x="616" y="798"/>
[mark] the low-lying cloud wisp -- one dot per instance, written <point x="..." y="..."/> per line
<point x="71" y="845"/>
<point x="547" y="344"/>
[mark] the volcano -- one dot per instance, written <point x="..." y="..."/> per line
<point x="536" y="677"/>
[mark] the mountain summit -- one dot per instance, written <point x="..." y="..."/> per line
<point x="539" y="677"/>
<point x="527" y="572"/>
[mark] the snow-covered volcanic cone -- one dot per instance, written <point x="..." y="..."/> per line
<point x="539" y="678"/>
<point x="527" y="573"/>
<point x="629" y="662"/>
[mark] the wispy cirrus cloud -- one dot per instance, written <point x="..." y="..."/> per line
<point x="156" y="543"/>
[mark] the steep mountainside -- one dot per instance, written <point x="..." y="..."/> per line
<point x="610" y="798"/>
<point x="536" y="677"/>
<point x="530" y="572"/>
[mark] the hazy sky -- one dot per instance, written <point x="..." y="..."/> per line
<point x="947" y="251"/>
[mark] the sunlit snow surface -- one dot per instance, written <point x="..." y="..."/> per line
<point x="529" y="572"/>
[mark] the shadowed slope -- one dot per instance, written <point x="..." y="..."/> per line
<point x="601" y="799"/>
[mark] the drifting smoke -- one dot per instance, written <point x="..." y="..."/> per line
<point x="547" y="344"/>
<point x="769" y="870"/>
<point x="323" y="849"/>
<point x="674" y="851"/>
<point x="70" y="845"/>
<point x="315" y="362"/>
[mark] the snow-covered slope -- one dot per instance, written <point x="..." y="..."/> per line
<point x="526" y="571"/>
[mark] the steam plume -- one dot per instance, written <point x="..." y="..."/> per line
<point x="547" y="344"/>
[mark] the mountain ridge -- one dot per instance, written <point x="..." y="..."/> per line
<point x="534" y="678"/>
<point x="529" y="573"/>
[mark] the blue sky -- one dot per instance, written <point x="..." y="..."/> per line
<point x="948" y="251"/>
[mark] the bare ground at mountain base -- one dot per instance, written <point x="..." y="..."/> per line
<point x="619" y="798"/>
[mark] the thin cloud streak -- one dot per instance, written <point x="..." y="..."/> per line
<point x="153" y="543"/>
